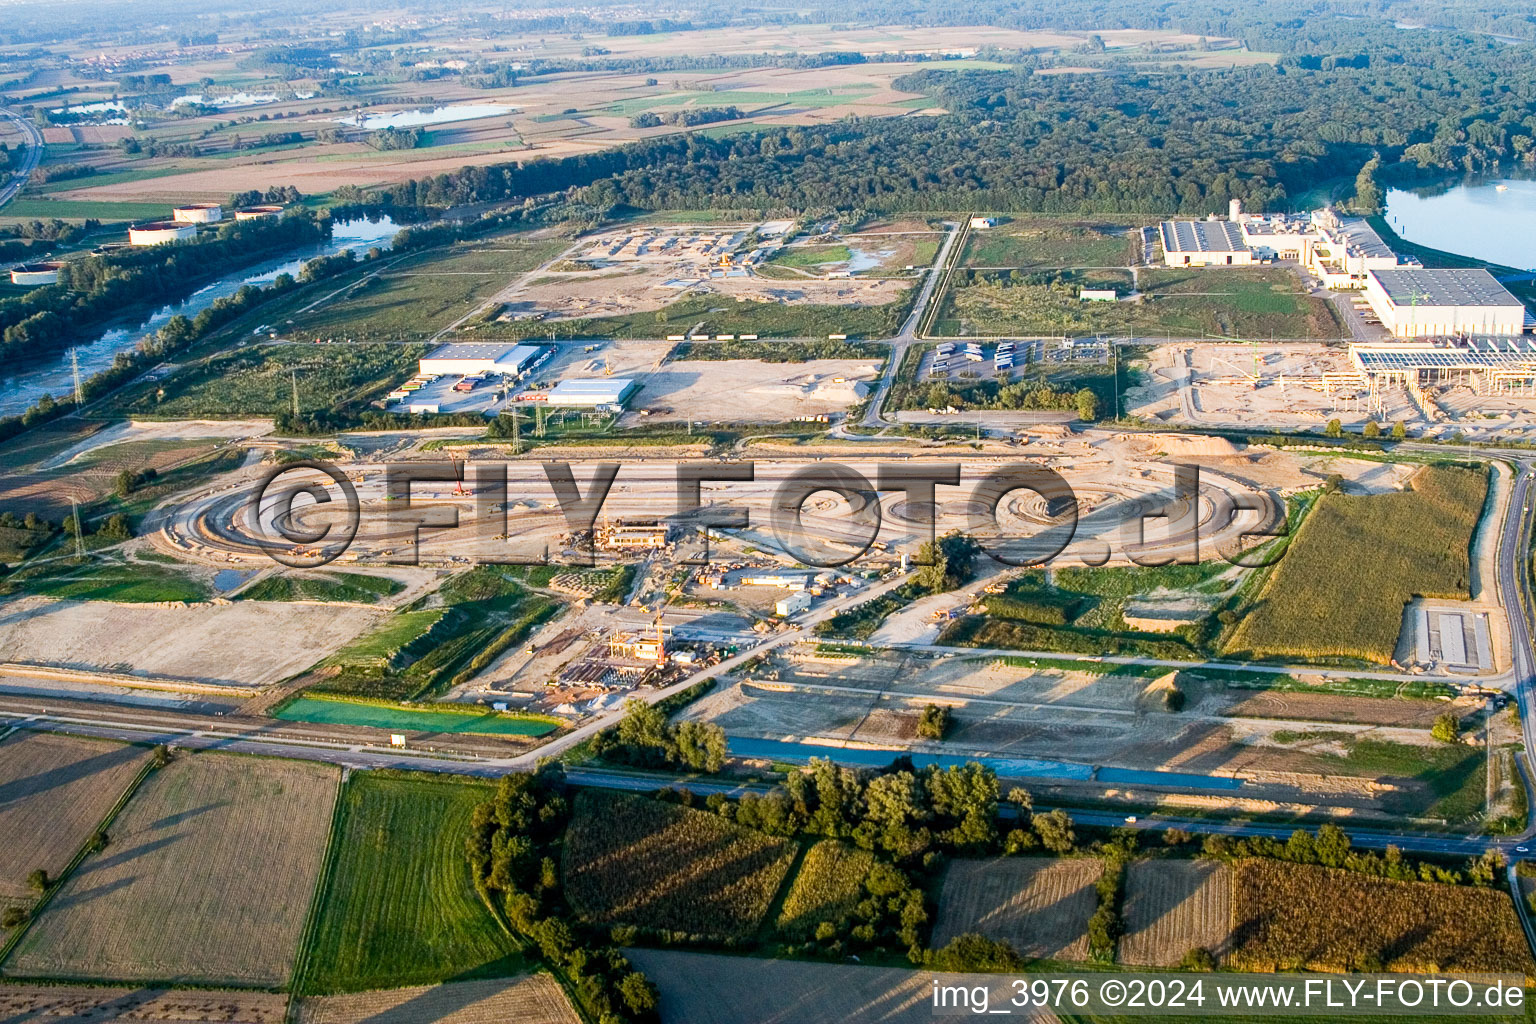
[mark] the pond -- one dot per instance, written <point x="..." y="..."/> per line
<point x="1491" y="218"/>
<point x="427" y="116"/>
<point x="23" y="383"/>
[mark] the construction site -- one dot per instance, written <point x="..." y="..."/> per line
<point x="642" y="269"/>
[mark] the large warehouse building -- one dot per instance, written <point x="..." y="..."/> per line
<point x="480" y="357"/>
<point x="1205" y="243"/>
<point x="1417" y="303"/>
<point x="593" y="393"/>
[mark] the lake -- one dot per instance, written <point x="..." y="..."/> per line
<point x="23" y="383"/>
<point x="1491" y="219"/>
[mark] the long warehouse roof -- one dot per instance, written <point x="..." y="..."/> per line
<point x="1203" y="236"/>
<point x="1415" y="285"/>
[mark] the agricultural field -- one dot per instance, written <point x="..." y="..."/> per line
<point x="827" y="887"/>
<point x="76" y="1004"/>
<point x="1214" y="303"/>
<point x="1306" y="917"/>
<point x="54" y="792"/>
<point x="533" y="999"/>
<point x="1038" y="905"/>
<point x="1173" y="906"/>
<point x="480" y="614"/>
<point x="173" y="897"/>
<point x="260" y="381"/>
<point x="352" y="587"/>
<point x="430" y="719"/>
<point x="632" y="860"/>
<point x="244" y="643"/>
<point x="1042" y="242"/>
<point x="1414" y="543"/>
<point x="398" y="906"/>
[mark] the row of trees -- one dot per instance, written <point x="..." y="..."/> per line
<point x="513" y="852"/>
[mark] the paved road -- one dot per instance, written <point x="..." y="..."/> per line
<point x="34" y="154"/>
<point x="908" y="333"/>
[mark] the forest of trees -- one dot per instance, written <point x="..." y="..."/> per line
<point x="1126" y="139"/>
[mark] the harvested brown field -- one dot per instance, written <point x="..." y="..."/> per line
<point x="1301" y="916"/>
<point x="1173" y="906"/>
<point x="633" y="860"/>
<point x="206" y="880"/>
<point x="535" y="999"/>
<point x="54" y="791"/>
<point x="703" y="988"/>
<point x="247" y="643"/>
<point x="67" y="1004"/>
<point x="1039" y="905"/>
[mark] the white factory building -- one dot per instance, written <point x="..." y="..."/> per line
<point x="593" y="393"/>
<point x="1338" y="251"/>
<point x="465" y="358"/>
<point x="1205" y="243"/>
<point x="1416" y="303"/>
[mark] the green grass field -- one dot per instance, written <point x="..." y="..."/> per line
<point x="485" y="611"/>
<point x="1397" y="546"/>
<point x="323" y="586"/>
<point x="74" y="209"/>
<point x="807" y="257"/>
<point x="827" y="888"/>
<point x="432" y="719"/>
<point x="106" y="581"/>
<point x="1030" y="242"/>
<point x="259" y="381"/>
<point x="398" y="906"/>
<point x="719" y="315"/>
<point x="1205" y="302"/>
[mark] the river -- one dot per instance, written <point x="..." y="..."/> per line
<point x="23" y="383"/>
<point x="1488" y="218"/>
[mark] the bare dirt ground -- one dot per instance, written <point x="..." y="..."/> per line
<point x="748" y="389"/>
<point x="206" y="879"/>
<point x="1173" y="906"/>
<point x="703" y="988"/>
<point x="1210" y="384"/>
<point x="170" y="430"/>
<point x="1039" y="905"/>
<point x="54" y="791"/>
<point x="536" y="999"/>
<point x="67" y="1004"/>
<point x="247" y="643"/>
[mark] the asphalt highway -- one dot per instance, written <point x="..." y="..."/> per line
<point x="34" y="154"/>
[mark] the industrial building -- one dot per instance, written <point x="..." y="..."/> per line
<point x="481" y="358"/>
<point x="795" y="603"/>
<point x="1416" y="303"/>
<point x="198" y="213"/>
<point x="1487" y="365"/>
<point x="1338" y="251"/>
<point x="34" y="274"/>
<point x="1205" y="243"/>
<point x="608" y="393"/>
<point x="634" y="535"/>
<point x="159" y="232"/>
<point x="982" y="223"/>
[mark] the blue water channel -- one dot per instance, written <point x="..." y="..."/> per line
<point x="1007" y="767"/>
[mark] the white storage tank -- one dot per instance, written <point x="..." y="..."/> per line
<point x="159" y="232"/>
<point x="35" y="274"/>
<point x="257" y="212"/>
<point x="198" y="213"/>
